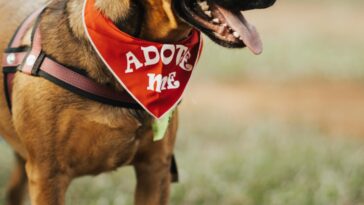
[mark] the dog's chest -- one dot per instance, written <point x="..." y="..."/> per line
<point x="101" y="147"/>
<point x="98" y="141"/>
<point x="86" y="137"/>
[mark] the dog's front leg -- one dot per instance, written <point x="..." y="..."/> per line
<point x="152" y="166"/>
<point x="153" y="183"/>
<point x="17" y="186"/>
<point x="47" y="185"/>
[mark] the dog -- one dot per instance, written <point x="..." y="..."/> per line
<point x="58" y="135"/>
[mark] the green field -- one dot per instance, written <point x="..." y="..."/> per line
<point x="228" y="163"/>
<point x="227" y="159"/>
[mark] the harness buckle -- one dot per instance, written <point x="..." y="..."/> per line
<point x="32" y="63"/>
<point x="37" y="64"/>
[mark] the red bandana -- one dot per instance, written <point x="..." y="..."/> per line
<point x="154" y="74"/>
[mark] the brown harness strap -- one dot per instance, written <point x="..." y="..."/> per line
<point x="33" y="61"/>
<point x="15" y="54"/>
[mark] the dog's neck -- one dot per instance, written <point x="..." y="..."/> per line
<point x="65" y="40"/>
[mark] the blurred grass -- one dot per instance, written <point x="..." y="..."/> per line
<point x="263" y="162"/>
<point x="286" y="63"/>
<point x="302" y="40"/>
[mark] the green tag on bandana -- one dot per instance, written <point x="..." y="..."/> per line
<point x="160" y="126"/>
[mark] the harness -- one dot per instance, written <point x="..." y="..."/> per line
<point x="33" y="61"/>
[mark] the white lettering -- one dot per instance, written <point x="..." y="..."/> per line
<point x="167" y="60"/>
<point x="155" y="82"/>
<point x="181" y="50"/>
<point x="183" y="64"/>
<point x="132" y="59"/>
<point x="166" y="55"/>
<point x="172" y="83"/>
<point x="158" y="83"/>
<point x="147" y="52"/>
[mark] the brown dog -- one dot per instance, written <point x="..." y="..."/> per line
<point x="58" y="135"/>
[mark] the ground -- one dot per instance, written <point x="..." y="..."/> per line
<point x="333" y="107"/>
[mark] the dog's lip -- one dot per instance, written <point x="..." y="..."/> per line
<point x="228" y="28"/>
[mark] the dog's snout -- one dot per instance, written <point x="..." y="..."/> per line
<point x="245" y="4"/>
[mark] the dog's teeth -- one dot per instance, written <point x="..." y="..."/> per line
<point x="208" y="13"/>
<point x="204" y="6"/>
<point x="236" y="34"/>
<point x="221" y="30"/>
<point x="216" y="20"/>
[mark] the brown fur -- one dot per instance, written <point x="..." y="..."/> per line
<point x="59" y="135"/>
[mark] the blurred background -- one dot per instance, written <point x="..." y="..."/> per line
<point x="286" y="127"/>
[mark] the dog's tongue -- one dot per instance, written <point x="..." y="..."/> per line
<point x="247" y="32"/>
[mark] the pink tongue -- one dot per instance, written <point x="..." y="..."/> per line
<point x="247" y="32"/>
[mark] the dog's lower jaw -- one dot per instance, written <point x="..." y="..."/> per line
<point x="163" y="19"/>
<point x="152" y="20"/>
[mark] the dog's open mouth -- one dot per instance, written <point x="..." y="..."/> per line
<point x="228" y="28"/>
